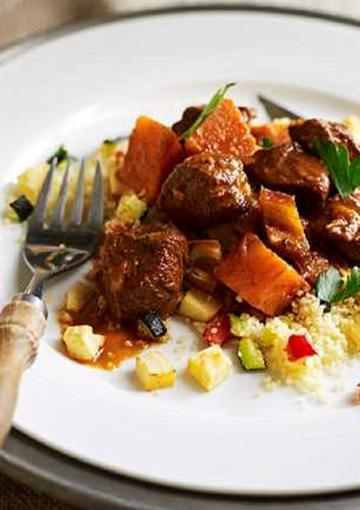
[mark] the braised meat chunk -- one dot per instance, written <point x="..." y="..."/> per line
<point x="205" y="189"/>
<point x="305" y="132"/>
<point x="142" y="269"/>
<point x="287" y="168"/>
<point x="311" y="264"/>
<point x="340" y="224"/>
<point x="188" y="118"/>
<point x="286" y="234"/>
<point x="283" y="226"/>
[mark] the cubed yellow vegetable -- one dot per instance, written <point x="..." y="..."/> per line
<point x="81" y="343"/>
<point x="130" y="208"/>
<point x="199" y="306"/>
<point x="110" y="154"/>
<point x="154" y="371"/>
<point x="353" y="123"/>
<point x="209" y="367"/>
<point x="78" y="296"/>
<point x="351" y="330"/>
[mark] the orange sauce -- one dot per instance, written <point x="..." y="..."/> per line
<point x="120" y="343"/>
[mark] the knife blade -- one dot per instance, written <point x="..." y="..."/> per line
<point x="274" y="110"/>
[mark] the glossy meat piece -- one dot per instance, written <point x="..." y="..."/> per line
<point x="311" y="265"/>
<point x="287" y="168"/>
<point x="283" y="226"/>
<point x="259" y="276"/>
<point x="286" y="235"/>
<point x="305" y="132"/>
<point x="340" y="224"/>
<point x="188" y="118"/>
<point x="142" y="270"/>
<point x="205" y="189"/>
<point x="248" y="113"/>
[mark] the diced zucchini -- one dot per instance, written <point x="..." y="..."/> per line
<point x="244" y="325"/>
<point x="250" y="355"/>
<point x="151" y="326"/>
<point x="209" y="367"/>
<point x="154" y="371"/>
<point x="23" y="207"/>
<point x="199" y="306"/>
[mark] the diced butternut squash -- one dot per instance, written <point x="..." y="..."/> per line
<point x="282" y="222"/>
<point x="259" y="276"/>
<point x="154" y="150"/>
<point x="224" y="131"/>
<point x="275" y="132"/>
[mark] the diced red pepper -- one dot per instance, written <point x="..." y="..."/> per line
<point x="298" y="347"/>
<point x="217" y="331"/>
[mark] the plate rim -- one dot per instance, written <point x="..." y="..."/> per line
<point x="72" y="481"/>
<point x="23" y="470"/>
<point x="44" y="36"/>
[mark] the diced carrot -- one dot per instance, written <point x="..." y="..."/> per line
<point x="259" y="276"/>
<point x="153" y="152"/>
<point x="224" y="131"/>
<point x="283" y="226"/>
<point x="277" y="132"/>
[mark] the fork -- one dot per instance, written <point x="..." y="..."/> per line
<point x="52" y="246"/>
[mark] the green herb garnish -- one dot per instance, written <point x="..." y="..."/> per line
<point x="208" y="110"/>
<point x="344" y="173"/>
<point x="61" y="154"/>
<point x="331" y="288"/>
<point x="23" y="207"/>
<point x="266" y="143"/>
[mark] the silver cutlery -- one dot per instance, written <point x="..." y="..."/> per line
<point x="274" y="110"/>
<point x="53" y="245"/>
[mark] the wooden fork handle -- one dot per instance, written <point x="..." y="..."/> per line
<point x="22" y="324"/>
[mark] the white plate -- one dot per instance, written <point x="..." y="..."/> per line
<point x="91" y="85"/>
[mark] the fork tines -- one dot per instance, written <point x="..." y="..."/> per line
<point x="57" y="221"/>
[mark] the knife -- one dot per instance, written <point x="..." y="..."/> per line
<point x="275" y="111"/>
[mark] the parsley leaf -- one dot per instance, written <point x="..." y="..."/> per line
<point x="328" y="284"/>
<point x="266" y="142"/>
<point x="61" y="154"/>
<point x="355" y="172"/>
<point x="208" y="110"/>
<point x="345" y="174"/>
<point x="331" y="288"/>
